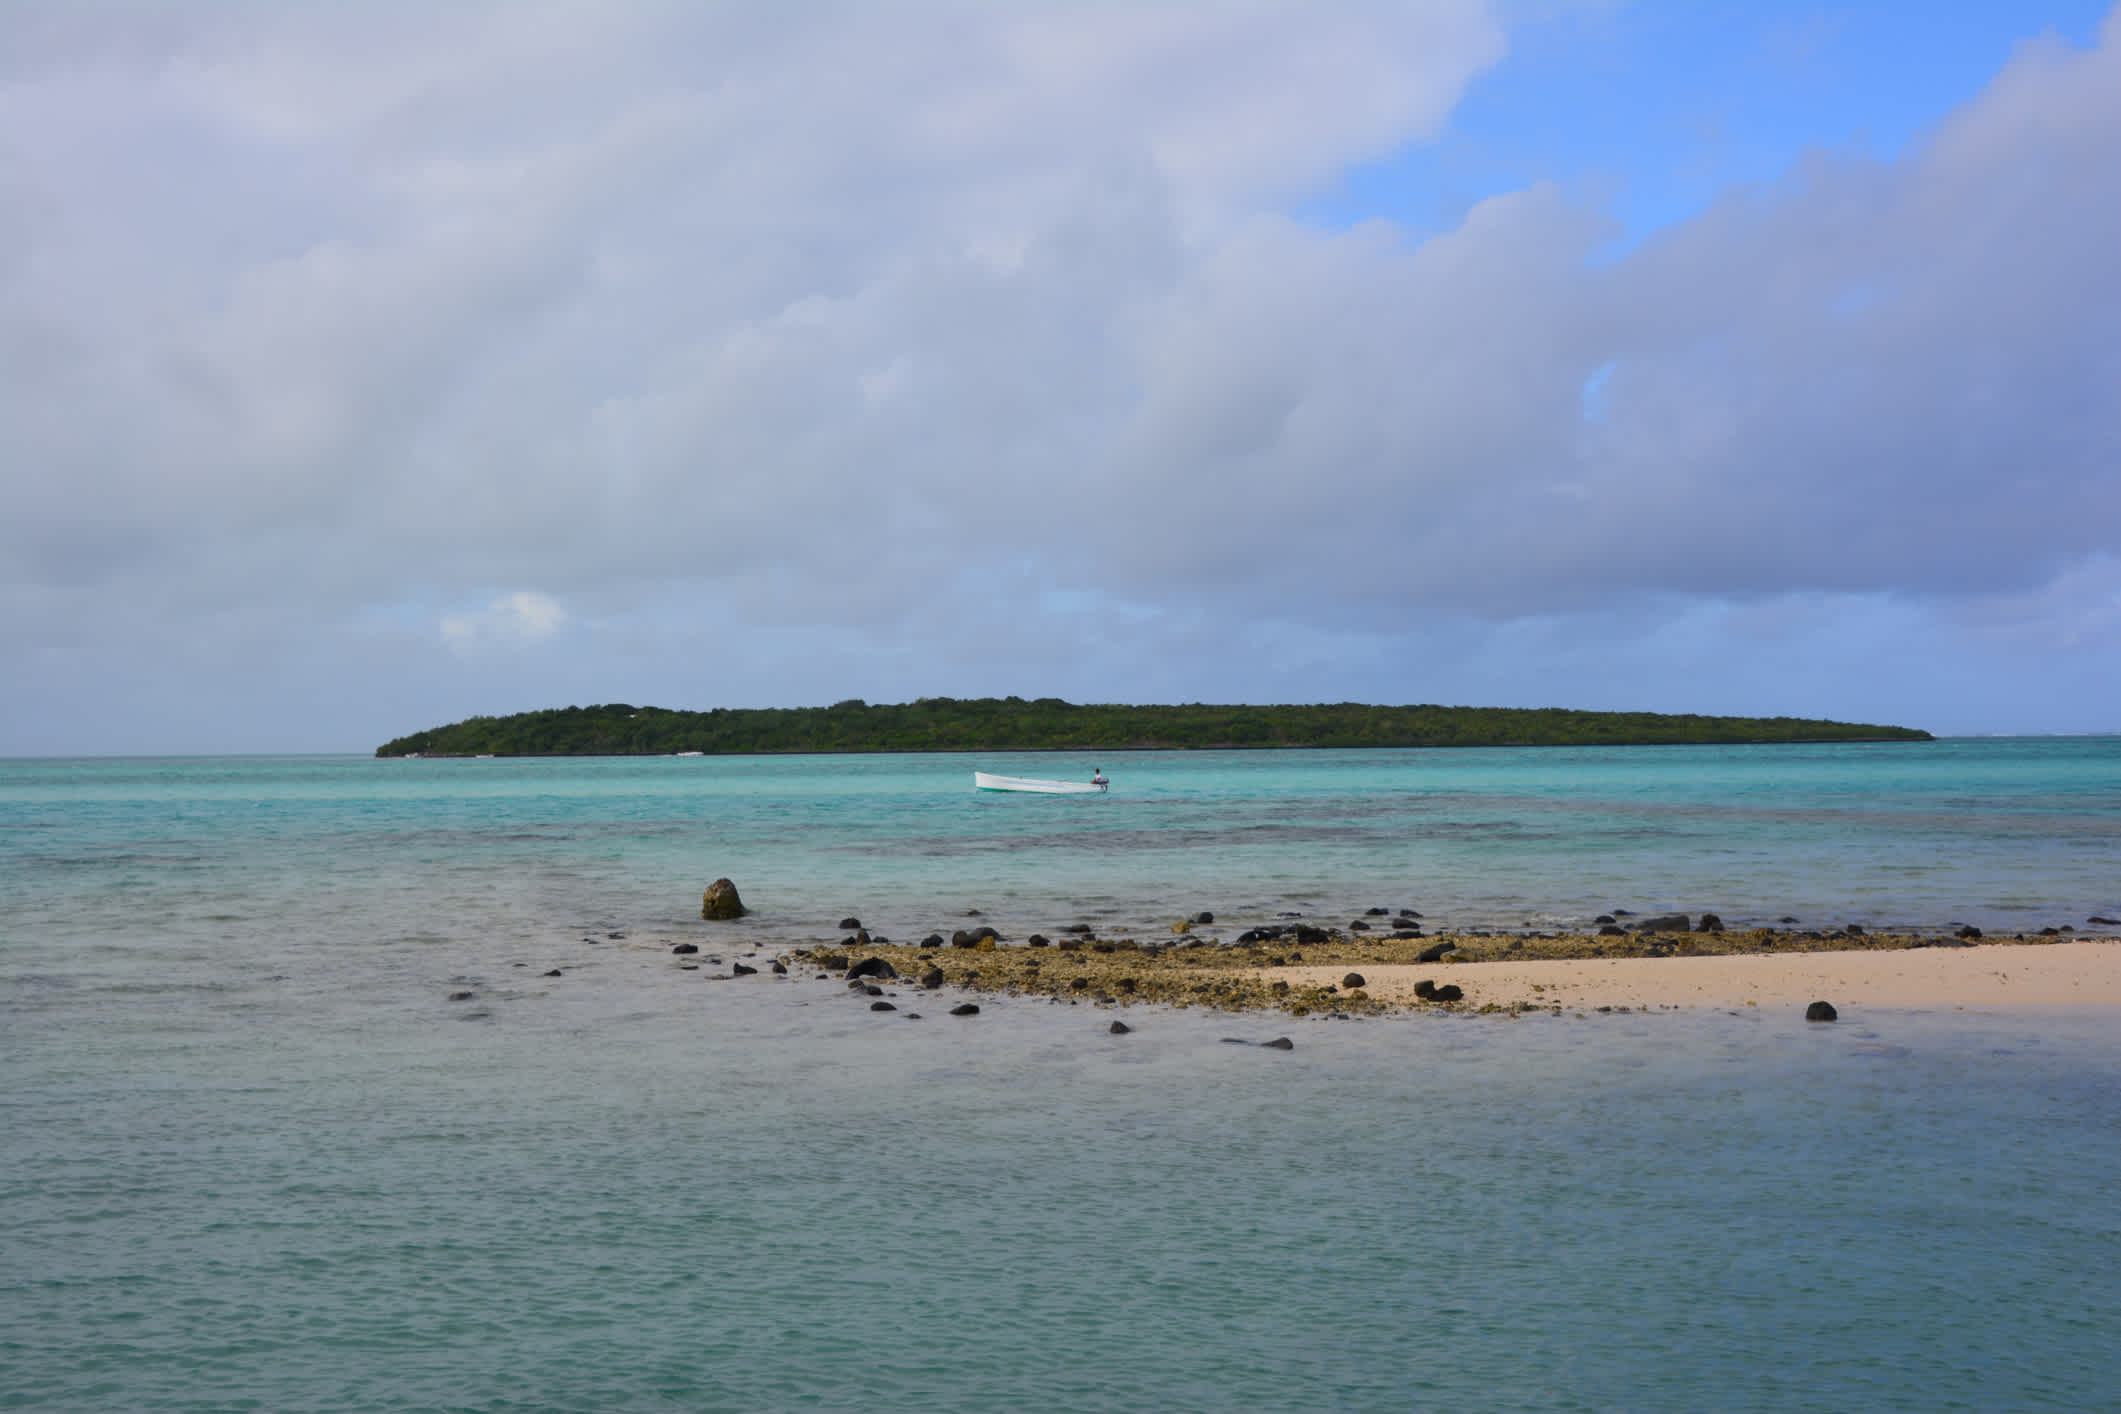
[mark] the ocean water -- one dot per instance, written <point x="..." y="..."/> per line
<point x="293" y="1117"/>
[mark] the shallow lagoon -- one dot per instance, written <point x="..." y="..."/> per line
<point x="255" y="1157"/>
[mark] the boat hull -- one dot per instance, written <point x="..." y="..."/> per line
<point x="982" y="780"/>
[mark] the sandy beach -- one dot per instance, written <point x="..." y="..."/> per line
<point x="1988" y="977"/>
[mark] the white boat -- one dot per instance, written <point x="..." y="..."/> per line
<point x="981" y="780"/>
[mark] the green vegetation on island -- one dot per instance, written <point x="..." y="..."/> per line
<point x="1049" y="724"/>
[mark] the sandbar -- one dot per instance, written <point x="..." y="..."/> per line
<point x="1990" y="976"/>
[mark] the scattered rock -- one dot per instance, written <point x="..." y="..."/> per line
<point x="1352" y="980"/>
<point x="780" y="969"/>
<point x="737" y="969"/>
<point x="1968" y="931"/>
<point x="1853" y="931"/>
<point x="1435" y="954"/>
<point x="686" y="948"/>
<point x="1603" y="918"/>
<point x="848" y="925"/>
<point x="967" y="1009"/>
<point x="1121" y="1028"/>
<point x="932" y="978"/>
<point x="1204" y="917"/>
<point x="872" y="989"/>
<point x="1820" y="1011"/>
<point x="1358" y="926"/>
<point x="1425" y="989"/>
<point x="882" y="1006"/>
<point x="1037" y="940"/>
<point x="721" y="902"/>
<point x="1305" y="933"/>
<point x="462" y="996"/>
<point x="1279" y="1043"/>
<point x="1612" y="930"/>
<point x="554" y="973"/>
<point x="832" y="961"/>
<point x="933" y="940"/>
<point x="1077" y="928"/>
<point x="1786" y="919"/>
<point x="1666" y="923"/>
<point x="872" y="967"/>
<point x="1709" y="923"/>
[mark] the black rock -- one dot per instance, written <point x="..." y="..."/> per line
<point x="1622" y="913"/>
<point x="1666" y="923"/>
<point x="1376" y="912"/>
<point x="872" y="967"/>
<point x="686" y="948"/>
<point x="2098" y="922"/>
<point x="554" y="973"/>
<point x="1305" y="933"/>
<point x="882" y="1006"/>
<point x="834" y="961"/>
<point x="1450" y="992"/>
<point x="1076" y="928"/>
<point x="1612" y="930"/>
<point x="1235" y="1041"/>
<point x="1425" y="989"/>
<point x="1204" y="917"/>
<point x="933" y="940"/>
<point x="1352" y="981"/>
<point x="462" y="996"/>
<point x="1969" y="931"/>
<point x="737" y="969"/>
<point x="850" y="924"/>
<point x="1408" y="913"/>
<point x="967" y="1009"/>
<point x="932" y="978"/>
<point x="1853" y="931"/>
<point x="1406" y="935"/>
<point x="1121" y="1028"/>
<point x="872" y="989"/>
<point x="1786" y="919"/>
<point x="1603" y="918"/>
<point x="780" y="969"/>
<point x="1358" y="926"/>
<point x="1435" y="954"/>
<point x="1279" y="1043"/>
<point x="1709" y="923"/>
<point x="1820" y="1011"/>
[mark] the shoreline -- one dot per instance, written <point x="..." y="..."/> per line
<point x="1483" y="974"/>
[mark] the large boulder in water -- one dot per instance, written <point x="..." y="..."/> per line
<point x="721" y="901"/>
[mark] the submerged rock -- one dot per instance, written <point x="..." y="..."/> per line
<point x="683" y="948"/>
<point x="966" y="1009"/>
<point x="882" y="1006"/>
<point x="1279" y="1043"/>
<point x="721" y="901"/>
<point x="1121" y="1028"/>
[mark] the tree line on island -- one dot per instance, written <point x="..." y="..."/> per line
<point x="1049" y="724"/>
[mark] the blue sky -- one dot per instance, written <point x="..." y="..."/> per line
<point x="366" y="368"/>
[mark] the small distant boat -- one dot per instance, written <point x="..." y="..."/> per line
<point x="692" y="753"/>
<point x="981" y="780"/>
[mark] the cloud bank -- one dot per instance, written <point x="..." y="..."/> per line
<point x="376" y="366"/>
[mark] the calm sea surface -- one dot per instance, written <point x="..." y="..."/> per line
<point x="259" y="1151"/>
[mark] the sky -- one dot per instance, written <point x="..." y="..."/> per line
<point x="368" y="367"/>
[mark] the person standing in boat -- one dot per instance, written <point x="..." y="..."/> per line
<point x="1097" y="777"/>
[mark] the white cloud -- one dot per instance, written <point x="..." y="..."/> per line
<point x="521" y="618"/>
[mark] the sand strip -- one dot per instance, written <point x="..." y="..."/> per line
<point x="1990" y="976"/>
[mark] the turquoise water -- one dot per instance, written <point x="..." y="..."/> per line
<point x="255" y="1156"/>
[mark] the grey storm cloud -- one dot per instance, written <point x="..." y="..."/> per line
<point x="853" y="316"/>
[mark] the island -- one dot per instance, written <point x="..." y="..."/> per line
<point x="1050" y="724"/>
